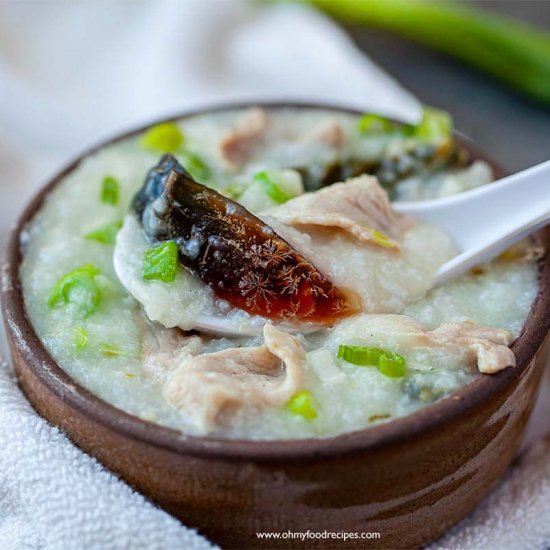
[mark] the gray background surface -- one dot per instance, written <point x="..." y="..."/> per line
<point x="512" y="130"/>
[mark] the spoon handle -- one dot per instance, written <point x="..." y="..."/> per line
<point x="486" y="220"/>
<point x="488" y="250"/>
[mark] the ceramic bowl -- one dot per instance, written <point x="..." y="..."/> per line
<point x="408" y="480"/>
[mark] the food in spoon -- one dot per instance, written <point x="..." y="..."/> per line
<point x="238" y="256"/>
<point x="246" y="225"/>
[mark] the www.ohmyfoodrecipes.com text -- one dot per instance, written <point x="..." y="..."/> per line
<point x="336" y="535"/>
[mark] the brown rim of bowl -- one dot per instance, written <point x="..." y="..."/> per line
<point x="399" y="430"/>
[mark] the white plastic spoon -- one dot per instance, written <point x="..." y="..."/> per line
<point x="485" y="221"/>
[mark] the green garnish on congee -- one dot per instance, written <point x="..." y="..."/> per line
<point x="110" y="190"/>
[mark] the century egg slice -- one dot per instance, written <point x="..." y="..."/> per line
<point x="243" y="260"/>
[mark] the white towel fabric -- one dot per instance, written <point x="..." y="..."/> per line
<point x="72" y="74"/>
<point x="53" y="496"/>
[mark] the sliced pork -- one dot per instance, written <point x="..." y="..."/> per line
<point x="481" y="347"/>
<point x="240" y="144"/>
<point x="210" y="387"/>
<point x="359" y="207"/>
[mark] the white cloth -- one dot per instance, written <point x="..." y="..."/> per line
<point x="53" y="496"/>
<point x="72" y="74"/>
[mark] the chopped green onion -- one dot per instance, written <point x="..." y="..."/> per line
<point x="195" y="166"/>
<point x="163" y="138"/>
<point x="435" y="124"/>
<point x="109" y="350"/>
<point x="360" y="355"/>
<point x="370" y="124"/>
<point x="110" y="190"/>
<point x="81" y="339"/>
<point x="271" y="189"/>
<point x="392" y="365"/>
<point x="105" y="234"/>
<point x="78" y="287"/>
<point x="382" y="240"/>
<point x="302" y="404"/>
<point x="161" y="262"/>
<point x="389" y="364"/>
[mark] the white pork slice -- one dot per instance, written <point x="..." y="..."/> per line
<point x="210" y="387"/>
<point x="351" y="234"/>
<point x="359" y="207"/>
<point x="465" y="343"/>
<point x="329" y="132"/>
<point x="488" y="347"/>
<point x="240" y="144"/>
<point x="162" y="349"/>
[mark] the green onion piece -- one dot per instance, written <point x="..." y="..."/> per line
<point x="81" y="339"/>
<point x="435" y="124"/>
<point x="389" y="364"/>
<point x="382" y="240"/>
<point x="110" y="190"/>
<point x="163" y="138"/>
<point x="302" y="404"/>
<point x="195" y="165"/>
<point x="360" y="355"/>
<point x="109" y="350"/>
<point x="161" y="262"/>
<point x="272" y="190"/>
<point x="105" y="234"/>
<point x="392" y="365"/>
<point x="370" y="124"/>
<point x="78" y="287"/>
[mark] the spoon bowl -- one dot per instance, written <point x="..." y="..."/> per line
<point x="485" y="221"/>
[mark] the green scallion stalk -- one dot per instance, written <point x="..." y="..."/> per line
<point x="110" y="190"/>
<point x="163" y="138"/>
<point x="388" y="363"/>
<point x="271" y="189"/>
<point x="79" y="288"/>
<point x="302" y="404"/>
<point x="383" y="240"/>
<point x="435" y="125"/>
<point x="104" y="235"/>
<point x="392" y="365"/>
<point x="371" y="124"/>
<point x="360" y="355"/>
<point x="515" y="52"/>
<point x="195" y="165"/>
<point x="161" y="262"/>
